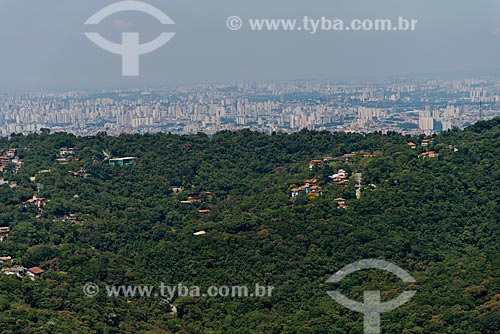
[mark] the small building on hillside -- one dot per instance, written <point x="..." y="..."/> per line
<point x="19" y="271"/>
<point x="34" y="272"/>
<point x="341" y="176"/>
<point x="4" y="229"/>
<point x="345" y="157"/>
<point x="308" y="188"/>
<point x="64" y="151"/>
<point x="426" y="142"/>
<point x="11" y="153"/>
<point x="123" y="161"/>
<point x="428" y="155"/>
<point x="36" y="201"/>
<point x="5" y="259"/>
<point x="314" y="163"/>
<point x="341" y="203"/>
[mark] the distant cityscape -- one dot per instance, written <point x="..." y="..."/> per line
<point x="409" y="107"/>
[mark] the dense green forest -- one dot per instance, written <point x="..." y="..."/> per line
<point x="438" y="218"/>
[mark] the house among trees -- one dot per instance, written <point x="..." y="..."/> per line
<point x="21" y="271"/>
<point x="345" y="157"/>
<point x="18" y="270"/>
<point x="314" y="163"/>
<point x="315" y="189"/>
<point x="9" y="156"/>
<point x="428" y="155"/>
<point x="426" y="142"/>
<point x="5" y="259"/>
<point x="340" y="178"/>
<point x="11" y="153"/>
<point x="36" y="201"/>
<point x="194" y="200"/>
<point x="4" y="161"/>
<point x="4" y="230"/>
<point x="309" y="188"/>
<point x="4" y="233"/>
<point x="412" y="145"/>
<point x="64" y="151"/>
<point x="341" y="203"/>
<point x="81" y="173"/>
<point x="123" y="161"/>
<point x="66" y="155"/>
<point x="34" y="272"/>
<point x="18" y="164"/>
<point x="71" y="218"/>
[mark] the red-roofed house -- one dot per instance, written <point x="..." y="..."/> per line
<point x="34" y="272"/>
<point x="430" y="154"/>
<point x="315" y="163"/>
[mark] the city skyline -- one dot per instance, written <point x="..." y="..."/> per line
<point x="405" y="106"/>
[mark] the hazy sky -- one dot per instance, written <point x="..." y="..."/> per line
<point x="44" y="46"/>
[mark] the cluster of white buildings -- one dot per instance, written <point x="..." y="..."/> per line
<point x="409" y="107"/>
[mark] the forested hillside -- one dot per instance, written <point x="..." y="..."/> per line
<point x="82" y="219"/>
